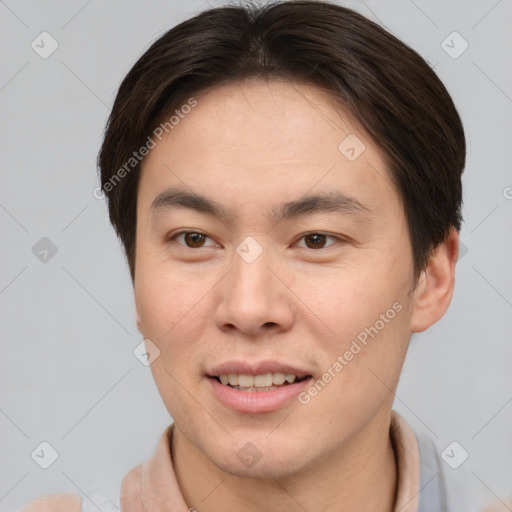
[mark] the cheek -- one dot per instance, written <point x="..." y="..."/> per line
<point x="345" y="303"/>
<point x="172" y="315"/>
<point x="173" y="320"/>
<point x="168" y="301"/>
<point x="365" y="318"/>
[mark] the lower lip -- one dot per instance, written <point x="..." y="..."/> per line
<point x="257" y="401"/>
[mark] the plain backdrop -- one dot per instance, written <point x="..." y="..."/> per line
<point x="68" y="375"/>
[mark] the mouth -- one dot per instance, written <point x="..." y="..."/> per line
<point x="256" y="393"/>
<point x="259" y="383"/>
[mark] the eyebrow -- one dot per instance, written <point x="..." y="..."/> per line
<point x="332" y="201"/>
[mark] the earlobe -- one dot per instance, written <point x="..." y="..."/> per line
<point x="135" y="302"/>
<point x="139" y="323"/>
<point x="435" y="288"/>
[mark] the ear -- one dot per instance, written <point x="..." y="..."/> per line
<point x="435" y="287"/>
<point x="139" y="323"/>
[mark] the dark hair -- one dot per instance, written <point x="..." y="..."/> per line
<point x="389" y="89"/>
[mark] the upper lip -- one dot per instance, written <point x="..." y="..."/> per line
<point x="256" y="368"/>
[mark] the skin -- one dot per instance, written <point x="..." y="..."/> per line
<point x="250" y="146"/>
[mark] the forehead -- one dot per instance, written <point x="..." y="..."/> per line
<point x="249" y="141"/>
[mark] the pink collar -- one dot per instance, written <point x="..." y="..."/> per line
<point x="152" y="486"/>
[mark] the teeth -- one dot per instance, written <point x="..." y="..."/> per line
<point x="279" y="378"/>
<point x="246" y="381"/>
<point x="264" y="381"/>
<point x="253" y="389"/>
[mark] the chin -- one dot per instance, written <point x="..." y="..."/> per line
<point x="253" y="456"/>
<point x="277" y="467"/>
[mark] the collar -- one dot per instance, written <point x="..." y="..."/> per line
<point x="153" y="487"/>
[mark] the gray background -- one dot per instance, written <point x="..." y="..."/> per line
<point x="67" y="372"/>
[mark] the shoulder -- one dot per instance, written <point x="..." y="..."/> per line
<point x="105" y="498"/>
<point x="437" y="488"/>
<point x="55" y="503"/>
<point x="443" y="481"/>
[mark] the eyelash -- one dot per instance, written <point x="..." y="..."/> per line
<point x="176" y="235"/>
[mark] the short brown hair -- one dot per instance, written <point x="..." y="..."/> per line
<point x="385" y="85"/>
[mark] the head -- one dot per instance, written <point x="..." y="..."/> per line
<point x="286" y="183"/>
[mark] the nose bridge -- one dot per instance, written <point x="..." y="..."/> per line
<point x="252" y="296"/>
<point x="251" y="277"/>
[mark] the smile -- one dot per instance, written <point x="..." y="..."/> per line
<point x="258" y="383"/>
<point x="256" y="399"/>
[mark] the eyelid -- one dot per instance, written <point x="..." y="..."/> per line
<point x="327" y="235"/>
<point x="172" y="238"/>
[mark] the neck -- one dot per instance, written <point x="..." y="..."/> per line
<point x="358" y="476"/>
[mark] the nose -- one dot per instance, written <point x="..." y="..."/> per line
<point x="255" y="299"/>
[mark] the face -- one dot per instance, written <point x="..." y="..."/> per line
<point x="270" y="245"/>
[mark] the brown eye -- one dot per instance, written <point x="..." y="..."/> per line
<point x="319" y="241"/>
<point x="194" y="239"/>
<point x="315" y="241"/>
<point x="191" y="239"/>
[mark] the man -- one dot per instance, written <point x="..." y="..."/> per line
<point x="286" y="181"/>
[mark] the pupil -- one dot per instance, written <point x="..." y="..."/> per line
<point x="317" y="240"/>
<point x="194" y="238"/>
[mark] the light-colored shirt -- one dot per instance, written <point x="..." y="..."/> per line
<point x="152" y="486"/>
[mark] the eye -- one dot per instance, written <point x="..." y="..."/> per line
<point x="316" y="240"/>
<point x="192" y="239"/>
